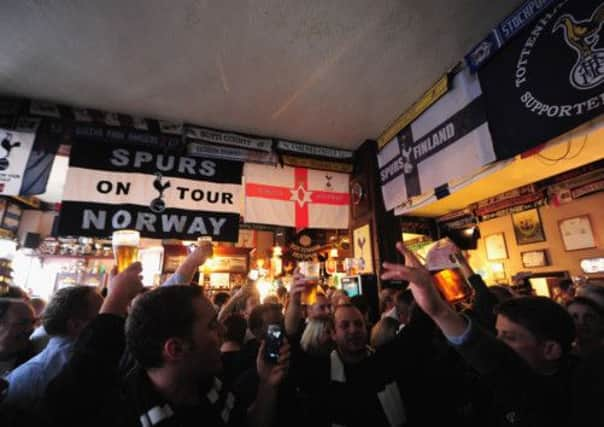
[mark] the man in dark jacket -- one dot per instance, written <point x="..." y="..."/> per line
<point x="354" y="386"/>
<point x="527" y="365"/>
<point x="174" y="336"/>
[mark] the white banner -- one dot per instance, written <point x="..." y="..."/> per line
<point x="449" y="141"/>
<point x="229" y="138"/>
<point x="15" y="149"/>
<point x="296" y="197"/>
<point x="162" y="195"/>
<point x="140" y="189"/>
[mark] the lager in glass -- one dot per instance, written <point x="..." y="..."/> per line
<point x="125" y="248"/>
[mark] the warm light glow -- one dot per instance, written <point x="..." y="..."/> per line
<point x="8" y="248"/>
<point x="412" y="236"/>
<point x="469" y="231"/>
<point x="208" y="265"/>
<point x="276" y="266"/>
<point x="497" y="267"/>
<point x="260" y="263"/>
<point x="253" y="275"/>
<point x="333" y="253"/>
<point x="498" y="270"/>
<point x="592" y="265"/>
<point x="277" y="251"/>
<point x="264" y="288"/>
<point x="539" y="284"/>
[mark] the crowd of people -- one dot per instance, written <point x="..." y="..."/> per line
<point x="171" y="356"/>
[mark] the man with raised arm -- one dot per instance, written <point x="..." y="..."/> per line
<point x="173" y="334"/>
<point x="527" y="366"/>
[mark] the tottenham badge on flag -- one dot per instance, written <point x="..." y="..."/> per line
<point x="450" y="140"/>
<point x="296" y="197"/>
<point x="549" y="79"/>
<point x="114" y="186"/>
<point x="15" y="150"/>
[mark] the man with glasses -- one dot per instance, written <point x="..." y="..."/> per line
<point x="68" y="313"/>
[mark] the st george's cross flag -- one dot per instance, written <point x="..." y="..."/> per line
<point x="295" y="197"/>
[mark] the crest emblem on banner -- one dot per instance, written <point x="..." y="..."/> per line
<point x="582" y="36"/>
<point x="7" y="145"/>
<point x="407" y="164"/>
<point x="482" y="52"/>
<point x="158" y="205"/>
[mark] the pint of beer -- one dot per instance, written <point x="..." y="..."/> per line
<point x="446" y="273"/>
<point x="451" y="284"/>
<point x="311" y="271"/>
<point x="125" y="248"/>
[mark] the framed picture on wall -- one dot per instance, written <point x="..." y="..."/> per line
<point x="362" y="247"/>
<point x="495" y="247"/>
<point x="532" y="259"/>
<point x="527" y="227"/>
<point x="577" y="233"/>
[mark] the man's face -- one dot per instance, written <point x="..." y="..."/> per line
<point x="522" y="341"/>
<point x="321" y="309"/>
<point x="404" y="312"/>
<point x="387" y="299"/>
<point x="207" y="334"/>
<point x="350" y="333"/>
<point x="16" y="327"/>
<point x="587" y="321"/>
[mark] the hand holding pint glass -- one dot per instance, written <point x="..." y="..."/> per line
<point x="311" y="272"/>
<point x="125" y="248"/>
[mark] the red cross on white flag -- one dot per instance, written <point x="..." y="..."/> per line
<point x="295" y="197"/>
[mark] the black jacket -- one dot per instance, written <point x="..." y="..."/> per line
<point x="90" y="390"/>
<point x="409" y="361"/>
<point x="518" y="396"/>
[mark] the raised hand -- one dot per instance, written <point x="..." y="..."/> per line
<point x="297" y="287"/>
<point x="420" y="281"/>
<point x="123" y="287"/>
<point x="424" y="291"/>
<point x="273" y="374"/>
<point x="202" y="252"/>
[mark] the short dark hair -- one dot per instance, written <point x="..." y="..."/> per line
<point x="67" y="303"/>
<point x="281" y="291"/>
<point x="405" y="297"/>
<point x="544" y="318"/>
<point x="256" y="320"/>
<point x="360" y="302"/>
<point x="5" y="305"/>
<point x="235" y="326"/>
<point x="346" y="305"/>
<point x="587" y="302"/>
<point x="16" y="292"/>
<point x="221" y="298"/>
<point x="158" y="315"/>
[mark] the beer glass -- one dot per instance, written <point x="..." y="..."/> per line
<point x="203" y="241"/>
<point x="311" y="272"/>
<point x="125" y="248"/>
<point x="351" y="266"/>
<point x="452" y="284"/>
<point x="442" y="263"/>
